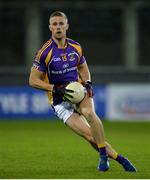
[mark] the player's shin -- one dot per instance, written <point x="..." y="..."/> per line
<point x="94" y="145"/>
<point x="98" y="134"/>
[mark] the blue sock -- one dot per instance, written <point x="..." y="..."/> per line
<point x="120" y="158"/>
<point x="102" y="151"/>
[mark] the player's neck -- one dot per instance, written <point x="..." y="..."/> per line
<point x="60" y="42"/>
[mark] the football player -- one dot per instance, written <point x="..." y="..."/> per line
<point x="58" y="62"/>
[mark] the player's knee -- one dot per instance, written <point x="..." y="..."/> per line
<point x="88" y="113"/>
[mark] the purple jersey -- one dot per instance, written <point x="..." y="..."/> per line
<point x="59" y="64"/>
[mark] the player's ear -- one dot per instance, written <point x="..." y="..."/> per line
<point x="67" y="26"/>
<point x="49" y="26"/>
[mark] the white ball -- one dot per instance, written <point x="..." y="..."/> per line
<point x="78" y="93"/>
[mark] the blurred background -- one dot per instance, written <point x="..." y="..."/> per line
<point x="115" y="38"/>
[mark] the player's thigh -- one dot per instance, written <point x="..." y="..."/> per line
<point x="86" y="106"/>
<point x="79" y="125"/>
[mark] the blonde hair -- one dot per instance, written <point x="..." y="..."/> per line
<point x="58" y="13"/>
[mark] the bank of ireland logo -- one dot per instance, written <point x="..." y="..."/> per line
<point x="64" y="57"/>
<point x="65" y="66"/>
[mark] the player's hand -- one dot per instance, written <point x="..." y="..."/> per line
<point x="62" y="91"/>
<point x="59" y="90"/>
<point x="89" y="88"/>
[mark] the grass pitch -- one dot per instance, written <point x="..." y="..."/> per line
<point x="49" y="149"/>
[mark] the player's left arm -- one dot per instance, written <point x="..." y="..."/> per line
<point x="84" y="72"/>
<point x="85" y="77"/>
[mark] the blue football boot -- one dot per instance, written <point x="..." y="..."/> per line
<point x="103" y="163"/>
<point x="128" y="166"/>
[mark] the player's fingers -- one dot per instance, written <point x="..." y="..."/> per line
<point x="69" y="91"/>
<point x="68" y="95"/>
<point x="66" y="98"/>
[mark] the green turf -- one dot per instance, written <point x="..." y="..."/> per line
<point x="48" y="149"/>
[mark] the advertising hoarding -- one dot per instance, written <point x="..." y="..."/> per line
<point x="27" y="102"/>
<point x="128" y="101"/>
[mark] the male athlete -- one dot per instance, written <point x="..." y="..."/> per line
<point x="59" y="62"/>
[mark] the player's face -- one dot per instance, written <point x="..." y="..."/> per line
<point x="58" y="26"/>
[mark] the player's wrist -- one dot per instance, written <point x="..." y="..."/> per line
<point x="51" y="88"/>
<point x="86" y="82"/>
<point x="89" y="82"/>
<point x="89" y="88"/>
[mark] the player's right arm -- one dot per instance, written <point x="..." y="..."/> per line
<point x="36" y="80"/>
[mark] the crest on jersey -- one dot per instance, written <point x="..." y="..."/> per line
<point x="72" y="56"/>
<point x="64" y="57"/>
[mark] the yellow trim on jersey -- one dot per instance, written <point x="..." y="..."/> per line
<point x="50" y="98"/>
<point x="49" y="94"/>
<point x="77" y="47"/>
<point x="47" y="44"/>
<point x="48" y="57"/>
<point x="46" y="78"/>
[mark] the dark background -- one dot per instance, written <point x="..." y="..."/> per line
<point x="103" y="28"/>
